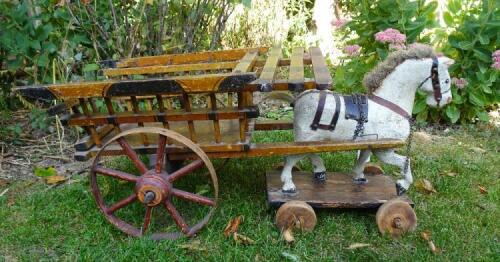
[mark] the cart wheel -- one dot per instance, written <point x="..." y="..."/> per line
<point x="373" y="169"/>
<point x="396" y="217"/>
<point x="296" y="214"/>
<point x="154" y="190"/>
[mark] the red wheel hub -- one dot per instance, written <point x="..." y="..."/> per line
<point x="152" y="188"/>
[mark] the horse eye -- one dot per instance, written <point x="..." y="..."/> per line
<point x="447" y="81"/>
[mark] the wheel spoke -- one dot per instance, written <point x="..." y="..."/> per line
<point x="193" y="197"/>
<point x="176" y="216"/>
<point x="115" y="173"/>
<point x="147" y="219"/>
<point x="132" y="155"/>
<point x="185" y="170"/>
<point x="122" y="203"/>
<point x="160" y="153"/>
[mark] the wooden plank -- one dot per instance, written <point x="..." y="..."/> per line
<point x="158" y="116"/>
<point x="279" y="85"/>
<point x="295" y="148"/>
<point x="266" y="78"/>
<point x="146" y="70"/>
<point x="176" y="59"/>
<point x="296" y="72"/>
<point x="284" y="61"/>
<point x="338" y="191"/>
<point x="246" y="63"/>
<point x="322" y="75"/>
<point x="273" y="124"/>
<point x="120" y="88"/>
<point x="87" y="142"/>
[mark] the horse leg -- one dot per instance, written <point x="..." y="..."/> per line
<point x="363" y="158"/>
<point x="391" y="158"/>
<point x="319" y="167"/>
<point x="286" y="174"/>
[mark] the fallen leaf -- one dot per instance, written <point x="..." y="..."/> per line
<point x="288" y="236"/>
<point x="450" y="174"/>
<point x="425" y="186"/>
<point x="483" y="190"/>
<point x="426" y="235"/>
<point x="433" y="248"/>
<point x="45" y="172"/>
<point x="232" y="226"/>
<point x="4" y="182"/>
<point x="357" y="245"/>
<point x="53" y="180"/>
<point x="242" y="239"/>
<point x="478" y="150"/>
<point x="194" y="245"/>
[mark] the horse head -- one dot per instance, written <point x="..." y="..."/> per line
<point x="437" y="85"/>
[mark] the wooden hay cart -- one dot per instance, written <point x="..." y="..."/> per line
<point x="186" y="109"/>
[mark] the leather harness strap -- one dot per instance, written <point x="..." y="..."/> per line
<point x="336" y="114"/>
<point x="388" y="104"/>
<point x="319" y="112"/>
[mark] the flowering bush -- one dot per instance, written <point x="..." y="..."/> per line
<point x="352" y="50"/>
<point x="496" y="60"/>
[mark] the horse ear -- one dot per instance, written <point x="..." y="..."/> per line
<point x="446" y="61"/>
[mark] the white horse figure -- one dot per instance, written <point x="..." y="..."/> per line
<point x="392" y="86"/>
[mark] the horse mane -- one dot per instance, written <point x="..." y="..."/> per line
<point x="373" y="80"/>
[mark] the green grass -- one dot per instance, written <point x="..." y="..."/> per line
<point x="64" y="222"/>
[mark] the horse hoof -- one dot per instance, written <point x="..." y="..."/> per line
<point x="400" y="190"/>
<point x="289" y="191"/>
<point x="320" y="177"/>
<point x="360" y="181"/>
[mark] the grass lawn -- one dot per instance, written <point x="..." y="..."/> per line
<point x="38" y="222"/>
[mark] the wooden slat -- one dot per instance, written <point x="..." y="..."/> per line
<point x="175" y="59"/>
<point x="87" y="142"/>
<point x="296" y="73"/>
<point x="246" y="63"/>
<point x="186" y="104"/>
<point x="295" y="148"/>
<point x="322" y="75"/>
<point x="266" y="78"/>
<point x="284" y="61"/>
<point x="120" y="88"/>
<point x="213" y="103"/>
<point x="273" y="124"/>
<point x="147" y="70"/>
<point x="338" y="191"/>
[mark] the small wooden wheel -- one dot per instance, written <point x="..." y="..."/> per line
<point x="154" y="189"/>
<point x="373" y="169"/>
<point x="296" y="214"/>
<point x="396" y="217"/>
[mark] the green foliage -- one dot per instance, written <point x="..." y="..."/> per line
<point x="370" y="17"/>
<point x="40" y="120"/>
<point x="476" y="31"/>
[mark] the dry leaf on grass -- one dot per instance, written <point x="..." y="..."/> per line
<point x="232" y="226"/>
<point x="425" y="186"/>
<point x="357" y="245"/>
<point x="478" y="150"/>
<point x="54" y="180"/>
<point x="4" y="182"/>
<point x="483" y="190"/>
<point x="4" y="192"/>
<point x="450" y="174"/>
<point x="194" y="245"/>
<point x="242" y="239"/>
<point x="288" y="236"/>
<point x="290" y="256"/>
<point x="426" y="235"/>
<point x="433" y="247"/>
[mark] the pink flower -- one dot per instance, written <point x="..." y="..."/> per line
<point x="390" y="35"/>
<point x="352" y="50"/>
<point x="339" y="23"/>
<point x="461" y="83"/>
<point x="496" y="59"/>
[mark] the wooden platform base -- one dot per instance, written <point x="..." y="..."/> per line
<point x="338" y="191"/>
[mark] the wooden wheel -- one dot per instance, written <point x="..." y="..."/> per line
<point x="396" y="217"/>
<point x="296" y="214"/>
<point x="373" y="169"/>
<point x="154" y="189"/>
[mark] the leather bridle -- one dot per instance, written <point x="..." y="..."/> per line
<point x="436" y="85"/>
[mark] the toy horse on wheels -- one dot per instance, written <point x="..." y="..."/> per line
<point x="321" y="115"/>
